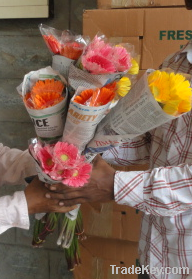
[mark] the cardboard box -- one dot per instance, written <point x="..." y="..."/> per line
<point x="116" y="29"/>
<point x="114" y="23"/>
<point x="110" y="220"/>
<point x="141" y="72"/>
<point x="165" y="32"/>
<point x="155" y="33"/>
<point x="136" y="42"/>
<point x="98" y="254"/>
<point x="114" y="4"/>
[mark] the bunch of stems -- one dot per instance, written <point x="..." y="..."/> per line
<point x="44" y="227"/>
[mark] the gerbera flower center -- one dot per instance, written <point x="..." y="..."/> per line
<point x="64" y="157"/>
<point x="49" y="162"/>
<point x="75" y="174"/>
<point x="60" y="172"/>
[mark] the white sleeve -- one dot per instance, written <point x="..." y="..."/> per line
<point x="14" y="212"/>
<point x="15" y="165"/>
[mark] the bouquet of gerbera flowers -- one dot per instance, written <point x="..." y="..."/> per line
<point x="100" y="57"/>
<point x="65" y="47"/>
<point x="159" y="96"/>
<point x="102" y="62"/>
<point x="44" y="94"/>
<point x="86" y="109"/>
<point x="172" y="91"/>
<point x="63" y="162"/>
<point x="88" y="106"/>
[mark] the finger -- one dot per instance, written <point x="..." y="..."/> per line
<point x="72" y="202"/>
<point x="65" y="196"/>
<point x="57" y="187"/>
<point x="64" y="209"/>
<point x="47" y="185"/>
<point x="54" y="196"/>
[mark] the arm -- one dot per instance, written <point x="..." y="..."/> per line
<point x="14" y="210"/>
<point x="15" y="165"/>
<point x="165" y="191"/>
<point x="135" y="152"/>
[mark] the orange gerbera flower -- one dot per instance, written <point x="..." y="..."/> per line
<point x="72" y="50"/>
<point x="46" y="99"/>
<point x="112" y="86"/>
<point x="102" y="97"/>
<point x="44" y="94"/>
<point x="84" y="96"/>
<point x="98" y="97"/>
<point x="52" y="43"/>
<point x="48" y="85"/>
<point x="28" y="101"/>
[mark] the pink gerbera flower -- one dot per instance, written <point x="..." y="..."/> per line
<point x="97" y="64"/>
<point x="45" y="156"/>
<point x="57" y="174"/>
<point x="65" y="154"/>
<point x="78" y="176"/>
<point x="122" y="59"/>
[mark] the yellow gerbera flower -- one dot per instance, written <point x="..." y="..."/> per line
<point x="134" y="70"/>
<point x="171" y="107"/>
<point x="171" y="90"/>
<point x="123" y="86"/>
<point x="159" y="85"/>
<point x="184" y="106"/>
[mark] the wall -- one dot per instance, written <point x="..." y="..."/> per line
<point x="21" y="50"/>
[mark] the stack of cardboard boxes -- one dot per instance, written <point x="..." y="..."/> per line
<point x="156" y="28"/>
<point x="113" y="233"/>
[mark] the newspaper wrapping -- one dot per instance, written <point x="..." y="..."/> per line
<point x="135" y="114"/>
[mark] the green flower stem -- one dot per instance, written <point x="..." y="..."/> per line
<point x="67" y="232"/>
<point x="79" y="229"/>
<point x="72" y="254"/>
<point x="44" y="227"/>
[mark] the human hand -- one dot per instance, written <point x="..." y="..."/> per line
<point x="38" y="203"/>
<point x="100" y="187"/>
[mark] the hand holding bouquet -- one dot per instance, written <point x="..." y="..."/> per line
<point x="59" y="148"/>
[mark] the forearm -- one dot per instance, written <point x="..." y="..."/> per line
<point x="161" y="191"/>
<point x="15" y="165"/>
